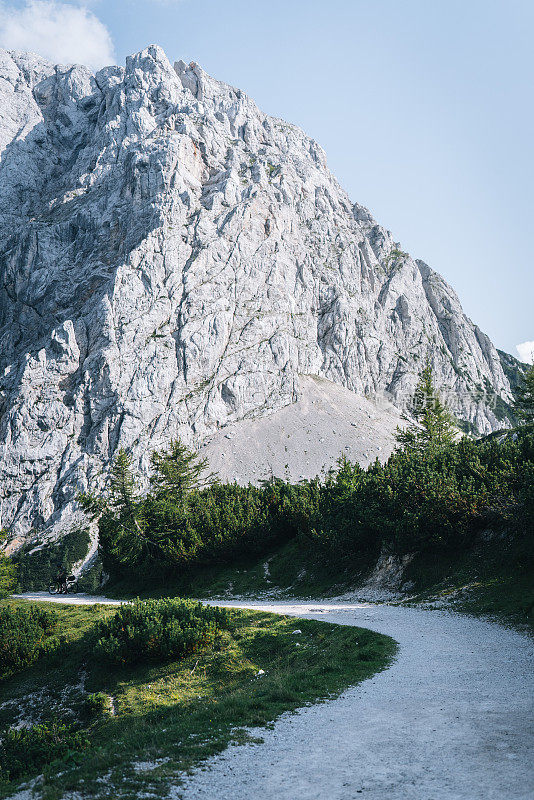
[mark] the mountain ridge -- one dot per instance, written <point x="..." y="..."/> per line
<point x="172" y="261"/>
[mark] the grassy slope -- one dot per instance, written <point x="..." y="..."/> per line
<point x="184" y="711"/>
<point x="283" y="573"/>
<point x="495" y="578"/>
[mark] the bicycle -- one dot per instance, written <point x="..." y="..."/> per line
<point x="69" y="587"/>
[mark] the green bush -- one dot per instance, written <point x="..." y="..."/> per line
<point x="96" y="705"/>
<point x="37" y="566"/>
<point x="24" y="636"/>
<point x="8" y="570"/>
<point x="8" y="576"/>
<point x="427" y="500"/>
<point x="25" y="750"/>
<point x="217" y="524"/>
<point x="90" y="580"/>
<point x="430" y="496"/>
<point x="158" y="630"/>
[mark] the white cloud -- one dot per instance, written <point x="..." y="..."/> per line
<point x="60" y="32"/>
<point x="526" y="352"/>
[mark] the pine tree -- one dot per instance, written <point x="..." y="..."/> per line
<point x="434" y="426"/>
<point x="120" y="499"/>
<point x="178" y="471"/>
<point x="122" y="493"/>
<point x="524" y="404"/>
<point x="122" y="522"/>
<point x="8" y="570"/>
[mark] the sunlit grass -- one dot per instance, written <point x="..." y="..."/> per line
<point x="178" y="713"/>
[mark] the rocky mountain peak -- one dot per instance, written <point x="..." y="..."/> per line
<point x="175" y="262"/>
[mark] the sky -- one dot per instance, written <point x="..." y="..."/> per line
<point x="424" y="108"/>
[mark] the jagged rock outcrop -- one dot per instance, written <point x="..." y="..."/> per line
<point x="172" y="260"/>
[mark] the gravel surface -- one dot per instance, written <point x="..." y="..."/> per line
<point x="305" y="438"/>
<point x="450" y="720"/>
<point x="79" y="599"/>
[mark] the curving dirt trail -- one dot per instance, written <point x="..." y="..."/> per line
<point x="450" y="720"/>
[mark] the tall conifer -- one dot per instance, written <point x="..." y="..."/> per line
<point x="431" y="424"/>
<point x="524" y="404"/>
<point x="178" y="471"/>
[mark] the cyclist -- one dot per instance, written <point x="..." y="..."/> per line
<point x="61" y="579"/>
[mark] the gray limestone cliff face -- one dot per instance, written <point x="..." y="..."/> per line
<point x="171" y="261"/>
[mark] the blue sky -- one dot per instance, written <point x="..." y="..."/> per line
<point x="424" y="107"/>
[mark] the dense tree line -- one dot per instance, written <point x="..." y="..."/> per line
<point x="187" y="522"/>
<point x="438" y="491"/>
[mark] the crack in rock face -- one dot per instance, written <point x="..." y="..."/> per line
<point x="173" y="261"/>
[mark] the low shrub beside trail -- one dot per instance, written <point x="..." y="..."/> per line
<point x="24" y="750"/>
<point x="24" y="636"/>
<point x="158" y="630"/>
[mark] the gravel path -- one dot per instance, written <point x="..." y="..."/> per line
<point x="450" y="720"/>
<point x="80" y="599"/>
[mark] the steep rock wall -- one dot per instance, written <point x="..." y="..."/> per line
<point x="171" y="261"/>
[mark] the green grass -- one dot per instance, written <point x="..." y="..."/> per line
<point x="496" y="578"/>
<point x="289" y="574"/>
<point x="179" y="713"/>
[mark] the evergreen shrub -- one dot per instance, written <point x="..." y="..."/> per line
<point x="25" y="635"/>
<point x="96" y="705"/>
<point x="37" y="566"/>
<point x="437" y="492"/>
<point x="158" y="631"/>
<point x="25" y="750"/>
<point x="8" y="576"/>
